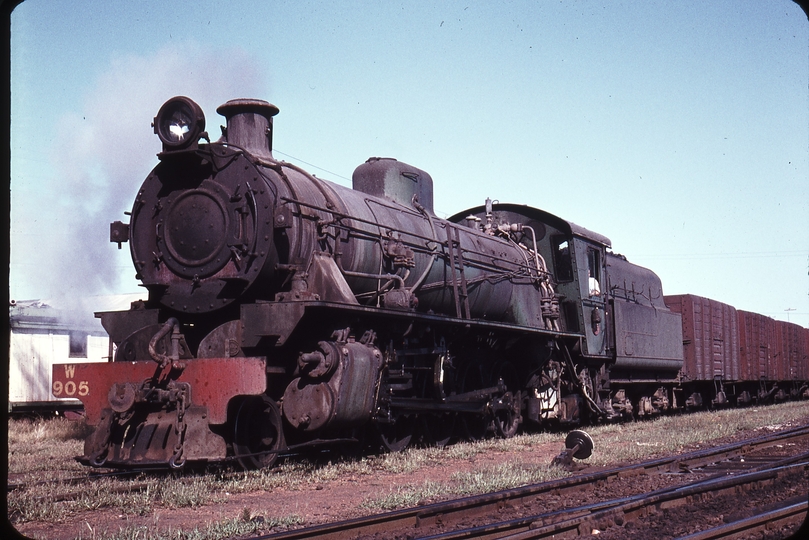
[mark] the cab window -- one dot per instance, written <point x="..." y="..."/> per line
<point x="561" y="258"/>
<point x="594" y="272"/>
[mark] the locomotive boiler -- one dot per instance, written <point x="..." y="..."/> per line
<point x="285" y="311"/>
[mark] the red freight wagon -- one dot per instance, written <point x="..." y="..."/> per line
<point x="758" y="342"/>
<point x="804" y="375"/>
<point x="710" y="338"/>
<point x="793" y="353"/>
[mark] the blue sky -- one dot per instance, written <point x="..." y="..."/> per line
<point x="680" y="130"/>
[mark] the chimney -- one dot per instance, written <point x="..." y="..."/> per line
<point x="249" y="125"/>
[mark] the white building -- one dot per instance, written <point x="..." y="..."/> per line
<point x="41" y="335"/>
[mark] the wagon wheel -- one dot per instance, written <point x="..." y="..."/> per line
<point x="437" y="428"/>
<point x="258" y="432"/>
<point x="581" y="439"/>
<point x="508" y="418"/>
<point x="396" y="436"/>
<point x="473" y="426"/>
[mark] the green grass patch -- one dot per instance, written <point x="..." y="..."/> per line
<point x="484" y="480"/>
<point x="42" y="450"/>
<point x="614" y="444"/>
<point x="635" y="441"/>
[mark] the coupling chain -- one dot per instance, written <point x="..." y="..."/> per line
<point x="177" y="460"/>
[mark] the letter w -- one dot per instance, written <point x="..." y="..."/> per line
<point x="70" y="370"/>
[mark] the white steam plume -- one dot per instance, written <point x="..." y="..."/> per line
<point x="102" y="155"/>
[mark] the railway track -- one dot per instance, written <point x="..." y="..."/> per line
<point x="603" y="515"/>
<point x="507" y="514"/>
<point x="789" y="513"/>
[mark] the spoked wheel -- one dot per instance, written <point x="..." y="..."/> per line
<point x="507" y="416"/>
<point x="437" y="428"/>
<point x="258" y="432"/>
<point x="474" y="427"/>
<point x="507" y="419"/>
<point x="396" y="436"/>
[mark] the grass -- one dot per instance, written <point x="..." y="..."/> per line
<point x="245" y="524"/>
<point x="42" y="450"/>
<point x="34" y="445"/>
<point x="614" y="443"/>
<point x="487" y="479"/>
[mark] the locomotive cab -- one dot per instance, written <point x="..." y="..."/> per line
<point x="579" y="263"/>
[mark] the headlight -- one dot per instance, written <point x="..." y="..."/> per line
<point x="179" y="123"/>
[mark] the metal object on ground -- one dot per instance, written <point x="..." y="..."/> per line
<point x="579" y="445"/>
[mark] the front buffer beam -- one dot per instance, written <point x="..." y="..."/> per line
<point x="145" y="415"/>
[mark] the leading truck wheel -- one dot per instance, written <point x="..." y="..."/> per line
<point x="507" y="415"/>
<point x="507" y="418"/>
<point x="258" y="434"/>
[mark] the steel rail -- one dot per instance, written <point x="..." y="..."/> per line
<point x="411" y="518"/>
<point x="786" y="515"/>
<point x="602" y="515"/>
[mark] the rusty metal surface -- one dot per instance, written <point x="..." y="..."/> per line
<point x="249" y="125"/>
<point x="213" y="382"/>
<point x="202" y="234"/>
<point x="710" y="337"/>
<point x="279" y="320"/>
<point x="120" y="324"/>
<point x="757" y="346"/>
<point x="225" y="341"/>
<point x="136" y="346"/>
<point x="249" y="256"/>
<point x="152" y="439"/>
<point x="394" y="180"/>
<point x="793" y="355"/>
<point x="335" y="389"/>
<point x="803" y="364"/>
<point x="633" y="283"/>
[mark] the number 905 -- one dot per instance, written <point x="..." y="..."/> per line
<point x="70" y="388"/>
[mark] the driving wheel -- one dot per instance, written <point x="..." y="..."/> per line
<point x="258" y="433"/>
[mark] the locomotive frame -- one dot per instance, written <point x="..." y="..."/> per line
<point x="287" y="311"/>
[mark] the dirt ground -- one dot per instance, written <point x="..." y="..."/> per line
<point x="319" y="503"/>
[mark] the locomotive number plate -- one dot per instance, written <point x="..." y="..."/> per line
<point x="69" y="386"/>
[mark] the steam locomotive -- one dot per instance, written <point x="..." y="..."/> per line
<point x="287" y="311"/>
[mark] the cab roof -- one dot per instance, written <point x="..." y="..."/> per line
<point x="542" y="216"/>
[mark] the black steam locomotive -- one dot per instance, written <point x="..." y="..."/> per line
<point x="285" y="310"/>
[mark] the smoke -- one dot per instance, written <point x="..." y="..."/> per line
<point x="104" y="152"/>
